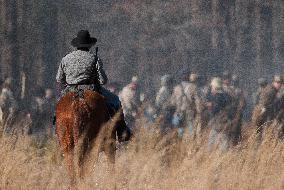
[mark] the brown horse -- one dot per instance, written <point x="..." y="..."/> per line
<point x="81" y="126"/>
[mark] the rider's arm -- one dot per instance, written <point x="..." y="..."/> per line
<point x="60" y="77"/>
<point x="102" y="75"/>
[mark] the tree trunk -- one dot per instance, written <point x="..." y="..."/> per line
<point x="12" y="45"/>
<point x="277" y="33"/>
<point x="49" y="35"/>
<point x="2" y="25"/>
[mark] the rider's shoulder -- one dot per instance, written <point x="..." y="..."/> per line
<point x="75" y="55"/>
<point x="69" y="55"/>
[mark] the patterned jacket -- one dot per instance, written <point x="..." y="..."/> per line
<point x="78" y="67"/>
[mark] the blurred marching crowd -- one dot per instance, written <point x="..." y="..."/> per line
<point x="189" y="104"/>
<point x="194" y="105"/>
<point x="36" y="114"/>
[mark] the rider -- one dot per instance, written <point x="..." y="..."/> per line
<point x="82" y="70"/>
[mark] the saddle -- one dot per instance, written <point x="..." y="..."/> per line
<point x="78" y="89"/>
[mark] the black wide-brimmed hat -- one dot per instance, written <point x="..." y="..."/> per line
<point x="83" y="39"/>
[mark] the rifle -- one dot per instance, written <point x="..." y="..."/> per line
<point x="97" y="80"/>
<point x="96" y="54"/>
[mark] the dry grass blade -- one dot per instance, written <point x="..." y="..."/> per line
<point x="150" y="161"/>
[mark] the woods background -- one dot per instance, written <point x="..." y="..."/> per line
<point x="143" y="37"/>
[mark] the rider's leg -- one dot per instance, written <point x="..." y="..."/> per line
<point x="114" y="106"/>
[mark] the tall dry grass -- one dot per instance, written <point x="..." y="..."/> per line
<point x="149" y="161"/>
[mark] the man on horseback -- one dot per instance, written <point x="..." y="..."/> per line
<point x="81" y="70"/>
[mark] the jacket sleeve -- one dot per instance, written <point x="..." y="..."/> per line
<point x="102" y="75"/>
<point x="60" y="77"/>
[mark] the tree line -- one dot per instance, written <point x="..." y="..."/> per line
<point x="147" y="38"/>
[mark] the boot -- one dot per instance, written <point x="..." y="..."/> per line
<point x="54" y="120"/>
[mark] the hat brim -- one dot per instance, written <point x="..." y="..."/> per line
<point x="76" y="43"/>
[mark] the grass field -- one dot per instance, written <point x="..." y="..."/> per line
<point x="149" y="161"/>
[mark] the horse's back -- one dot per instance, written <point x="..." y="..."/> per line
<point x="91" y="97"/>
<point x="79" y="112"/>
<point x="70" y="100"/>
